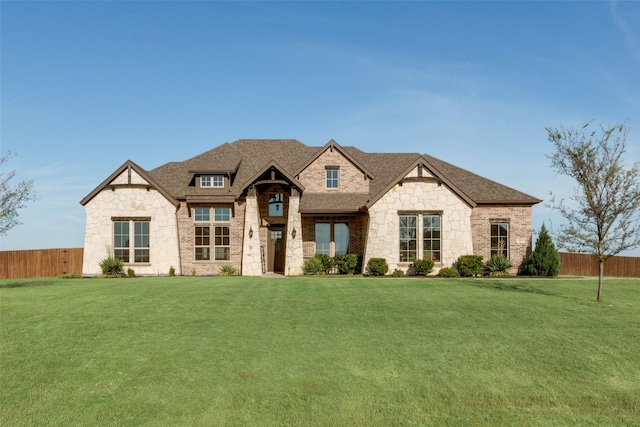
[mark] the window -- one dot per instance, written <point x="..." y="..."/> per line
<point x="500" y="239"/>
<point x="341" y="238"/>
<point x="276" y="205"/>
<point x="222" y="214"/>
<point x="323" y="238"/>
<point x="221" y="243"/>
<point x="420" y="235"/>
<point x="201" y="214"/>
<point x="332" y="178"/>
<point x="431" y="237"/>
<point x="122" y="241"/>
<point x="141" y="241"/>
<point x="332" y="238"/>
<point x="212" y="181"/>
<point x="203" y="244"/>
<point x="408" y="238"/>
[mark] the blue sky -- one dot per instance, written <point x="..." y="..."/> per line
<point x="86" y="86"/>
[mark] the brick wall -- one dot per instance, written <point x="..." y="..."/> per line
<point x="352" y="179"/>
<point x="520" y="231"/>
<point x="186" y="233"/>
<point x="357" y="231"/>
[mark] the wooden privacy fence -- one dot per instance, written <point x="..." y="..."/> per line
<point x="40" y="263"/>
<point x="587" y="265"/>
<point x="55" y="262"/>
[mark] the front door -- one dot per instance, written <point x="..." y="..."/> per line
<point x="276" y="250"/>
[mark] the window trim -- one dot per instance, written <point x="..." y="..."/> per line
<point x="213" y="181"/>
<point x="137" y="244"/>
<point x="218" y="220"/>
<point x="332" y="237"/>
<point x="420" y="235"/>
<point x="202" y="219"/>
<point x="328" y="179"/>
<point x="496" y="250"/>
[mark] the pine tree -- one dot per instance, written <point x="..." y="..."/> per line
<point x="545" y="260"/>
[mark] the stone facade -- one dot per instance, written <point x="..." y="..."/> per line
<point x="131" y="199"/>
<point x="418" y="197"/>
<point x="520" y="231"/>
<point x="294" y="254"/>
<point x="373" y="219"/>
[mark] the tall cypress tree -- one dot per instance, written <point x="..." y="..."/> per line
<point x="545" y="260"/>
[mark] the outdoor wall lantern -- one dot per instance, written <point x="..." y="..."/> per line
<point x="293" y="233"/>
<point x="250" y="232"/>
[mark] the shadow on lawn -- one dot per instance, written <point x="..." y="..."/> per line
<point x="504" y="285"/>
<point x="26" y="283"/>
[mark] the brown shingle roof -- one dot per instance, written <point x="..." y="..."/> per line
<point x="248" y="156"/>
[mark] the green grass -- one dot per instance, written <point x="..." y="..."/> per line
<point x="339" y="351"/>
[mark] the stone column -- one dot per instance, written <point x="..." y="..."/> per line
<point x="251" y="262"/>
<point x="294" y="254"/>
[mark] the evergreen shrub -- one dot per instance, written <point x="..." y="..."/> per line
<point x="448" y="272"/>
<point x="326" y="261"/>
<point x="346" y="264"/>
<point x="469" y="265"/>
<point x="377" y="267"/>
<point x="422" y="267"/>
<point x="312" y="266"/>
<point x="545" y="260"/>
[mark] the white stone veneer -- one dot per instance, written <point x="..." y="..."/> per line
<point x="251" y="261"/>
<point x="294" y="255"/>
<point x="131" y="202"/>
<point x="383" y="234"/>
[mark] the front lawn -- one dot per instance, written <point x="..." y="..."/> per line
<point x="319" y="351"/>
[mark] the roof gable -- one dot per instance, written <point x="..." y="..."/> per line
<point x="332" y="145"/>
<point x="135" y="176"/>
<point x="272" y="164"/>
<point x="434" y="175"/>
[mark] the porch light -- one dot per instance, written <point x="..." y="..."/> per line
<point x="293" y="233"/>
<point x="250" y="232"/>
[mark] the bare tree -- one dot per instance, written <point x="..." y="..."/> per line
<point x="12" y="197"/>
<point x="604" y="218"/>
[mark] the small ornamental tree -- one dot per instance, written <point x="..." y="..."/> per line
<point x="603" y="217"/>
<point x="545" y="260"/>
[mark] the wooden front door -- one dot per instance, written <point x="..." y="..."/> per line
<point x="276" y="250"/>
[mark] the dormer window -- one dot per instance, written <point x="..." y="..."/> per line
<point x="332" y="175"/>
<point x="216" y="181"/>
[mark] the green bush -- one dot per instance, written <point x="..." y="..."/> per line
<point x="112" y="267"/>
<point x="312" y="266"/>
<point x="172" y="271"/>
<point x="228" y="270"/>
<point x="545" y="260"/>
<point x="346" y="263"/>
<point x="422" y="267"/>
<point x="397" y="273"/>
<point x="469" y="265"/>
<point x="377" y="267"/>
<point x="131" y="272"/>
<point x="448" y="272"/>
<point x="327" y="262"/>
<point x="498" y="265"/>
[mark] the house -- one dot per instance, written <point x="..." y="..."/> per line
<point x="267" y="205"/>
